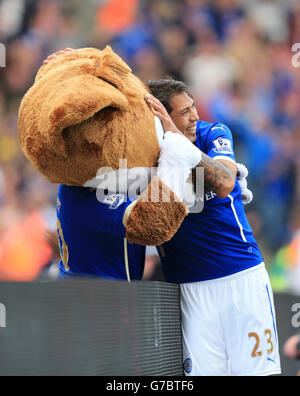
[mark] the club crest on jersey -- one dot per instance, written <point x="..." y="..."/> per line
<point x="222" y="146"/>
<point x="114" y="200"/>
<point x="187" y="365"/>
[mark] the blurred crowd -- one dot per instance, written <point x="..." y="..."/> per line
<point x="237" y="57"/>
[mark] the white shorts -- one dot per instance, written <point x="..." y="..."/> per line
<point x="229" y="326"/>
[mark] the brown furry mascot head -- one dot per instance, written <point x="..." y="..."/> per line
<point x="85" y="111"/>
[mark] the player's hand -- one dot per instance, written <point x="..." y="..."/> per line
<point x="159" y="110"/>
<point x="57" y="55"/>
<point x="290" y="347"/>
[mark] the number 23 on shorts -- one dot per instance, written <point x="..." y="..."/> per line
<point x="256" y="351"/>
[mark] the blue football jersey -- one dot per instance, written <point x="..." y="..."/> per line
<point x="92" y="236"/>
<point x="218" y="241"/>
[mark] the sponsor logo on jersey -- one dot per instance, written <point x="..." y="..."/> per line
<point x="114" y="200"/>
<point x="222" y="146"/>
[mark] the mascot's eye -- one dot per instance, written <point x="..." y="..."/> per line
<point x="108" y="82"/>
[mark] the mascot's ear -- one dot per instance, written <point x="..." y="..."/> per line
<point x="111" y="59"/>
<point x="68" y="91"/>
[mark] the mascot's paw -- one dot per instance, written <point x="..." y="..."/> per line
<point x="247" y="195"/>
<point x="156" y="216"/>
<point x="242" y="172"/>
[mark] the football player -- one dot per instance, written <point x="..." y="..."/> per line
<point x="228" y="315"/>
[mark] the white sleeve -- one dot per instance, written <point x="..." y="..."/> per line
<point x="177" y="159"/>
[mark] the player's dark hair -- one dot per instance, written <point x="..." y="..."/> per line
<point x="164" y="89"/>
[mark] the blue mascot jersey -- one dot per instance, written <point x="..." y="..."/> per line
<point x="92" y="236"/>
<point x="218" y="241"/>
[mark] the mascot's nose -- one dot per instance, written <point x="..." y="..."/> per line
<point x="159" y="131"/>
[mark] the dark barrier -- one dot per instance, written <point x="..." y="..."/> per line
<point x="288" y="324"/>
<point x="90" y="327"/>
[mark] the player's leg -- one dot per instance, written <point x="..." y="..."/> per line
<point x="204" y="351"/>
<point x="249" y="324"/>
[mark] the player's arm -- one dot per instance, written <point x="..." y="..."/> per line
<point x="219" y="175"/>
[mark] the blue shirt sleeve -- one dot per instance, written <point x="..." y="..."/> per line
<point x="219" y="142"/>
<point x="80" y="207"/>
<point x="102" y="217"/>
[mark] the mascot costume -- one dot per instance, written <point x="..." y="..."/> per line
<point x="85" y="125"/>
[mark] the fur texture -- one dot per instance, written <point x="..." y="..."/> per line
<point x="154" y="223"/>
